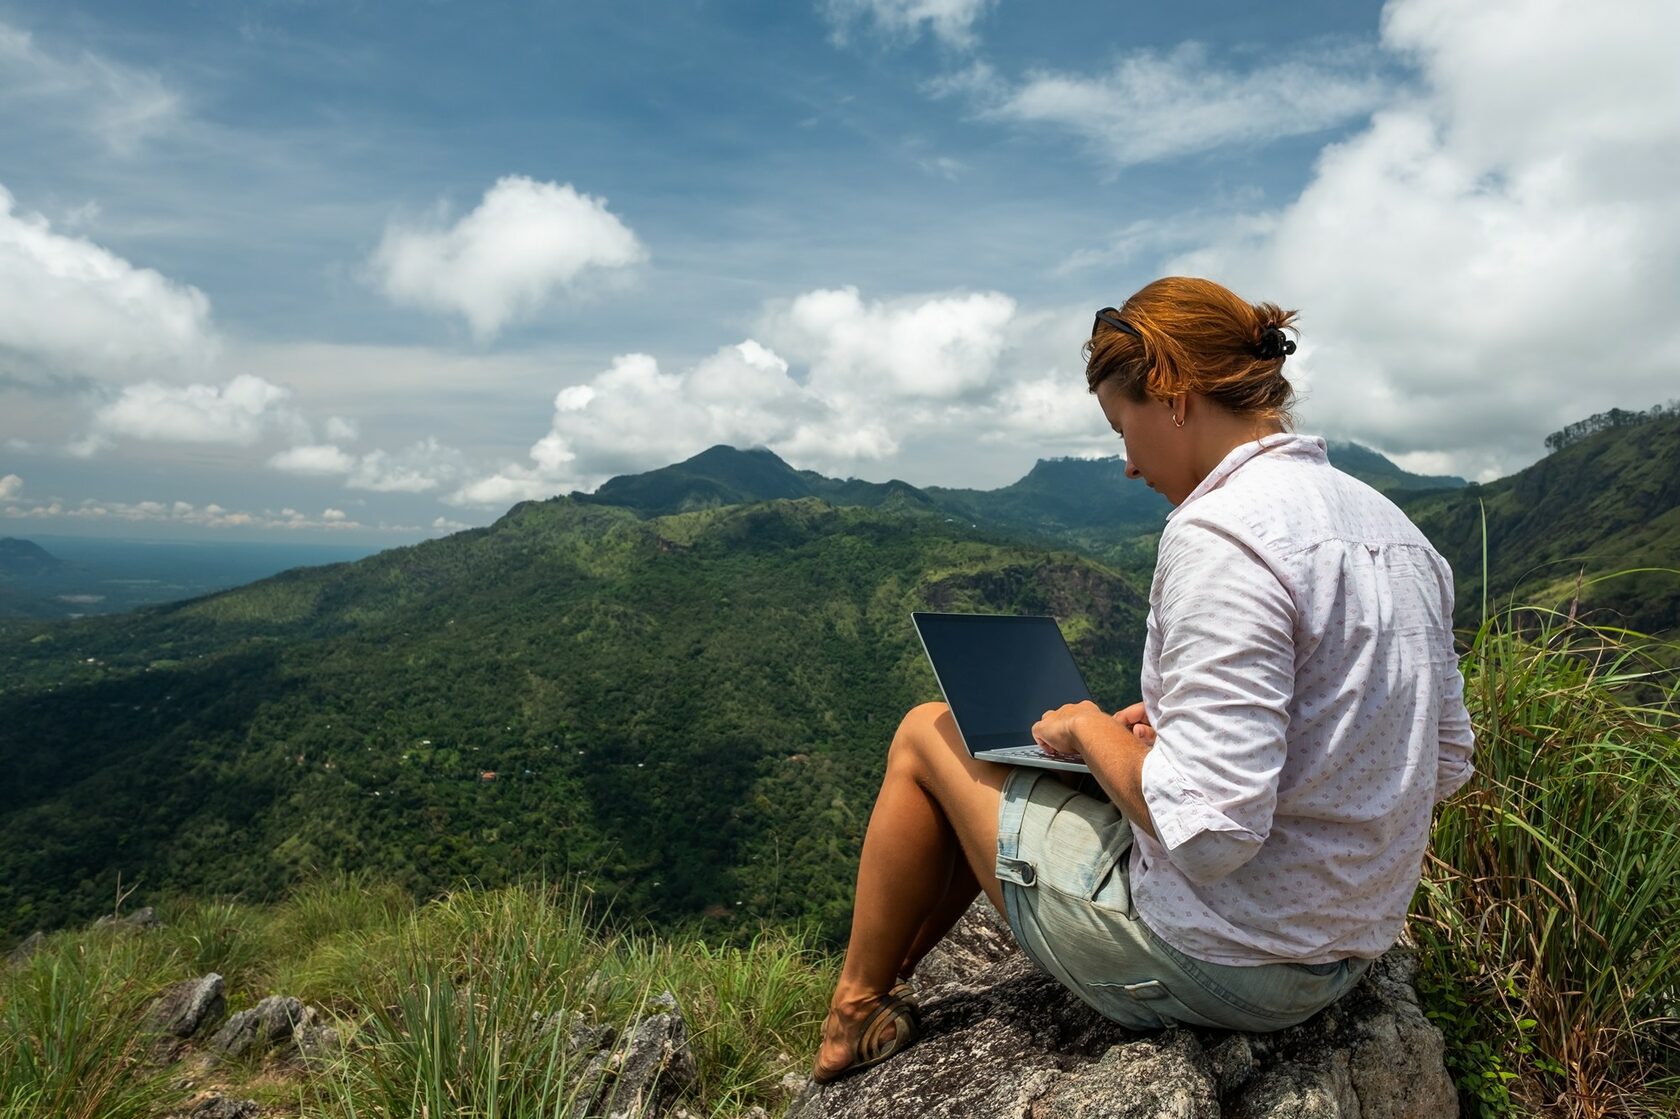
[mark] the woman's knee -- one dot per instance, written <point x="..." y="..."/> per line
<point x="917" y="732"/>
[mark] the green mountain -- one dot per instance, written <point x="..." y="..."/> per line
<point x="1378" y="472"/>
<point x="26" y="558"/>
<point x="693" y="710"/>
<point x="1089" y="503"/>
<point x="1607" y="502"/>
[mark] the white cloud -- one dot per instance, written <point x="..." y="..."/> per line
<point x="68" y="306"/>
<point x="1152" y="106"/>
<point x="1498" y="255"/>
<point x="423" y="466"/>
<point x="186" y="513"/>
<point x="87" y="446"/>
<point x="936" y="348"/>
<point x="873" y="378"/>
<point x="341" y="429"/>
<point x="950" y="21"/>
<point x="525" y="242"/>
<point x="10" y="486"/>
<point x="633" y="417"/>
<point x="119" y="105"/>
<point x="237" y="412"/>
<point x="320" y="459"/>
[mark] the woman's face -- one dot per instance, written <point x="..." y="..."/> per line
<point x="1156" y="449"/>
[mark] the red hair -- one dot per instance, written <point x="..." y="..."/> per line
<point x="1195" y="336"/>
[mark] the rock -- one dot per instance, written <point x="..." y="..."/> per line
<point x="1162" y="1077"/>
<point x="980" y="939"/>
<point x="188" y="1005"/>
<point x="317" y="1043"/>
<point x="270" y="1022"/>
<point x="645" y="1078"/>
<point x="1000" y="1038"/>
<point x="143" y="918"/>
<point x="582" y="1036"/>
<point x="220" y="1107"/>
<point x="31" y="945"/>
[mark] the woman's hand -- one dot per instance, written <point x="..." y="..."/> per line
<point x="1057" y="732"/>
<point x="1136" y="720"/>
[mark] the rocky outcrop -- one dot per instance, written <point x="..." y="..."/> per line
<point x="30" y="945"/>
<point x="642" y="1078"/>
<point x="272" y="1021"/>
<point x="143" y="918"/>
<point x="187" y="1005"/>
<point x="1002" y="1039"/>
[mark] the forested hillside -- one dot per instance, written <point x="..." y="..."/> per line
<point x="692" y="710"/>
<point x="1607" y="502"/>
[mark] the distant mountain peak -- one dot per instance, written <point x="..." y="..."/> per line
<point x="25" y="557"/>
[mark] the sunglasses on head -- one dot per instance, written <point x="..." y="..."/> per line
<point x="1111" y="316"/>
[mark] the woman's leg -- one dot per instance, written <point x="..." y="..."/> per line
<point x="960" y="891"/>
<point x="937" y="807"/>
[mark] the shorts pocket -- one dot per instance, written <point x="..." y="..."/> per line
<point x="1141" y="1004"/>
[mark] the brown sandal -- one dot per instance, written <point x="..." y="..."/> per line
<point x="871" y="1049"/>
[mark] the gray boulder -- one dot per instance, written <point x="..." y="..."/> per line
<point x="254" y="1031"/>
<point x="31" y="944"/>
<point x="1001" y="1038"/>
<point x="186" y="1006"/>
<point x="643" y="1077"/>
<point x="143" y="918"/>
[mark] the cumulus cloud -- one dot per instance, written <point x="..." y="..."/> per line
<point x="236" y="413"/>
<point x="859" y="379"/>
<point x="937" y="348"/>
<point x="1499" y="254"/>
<point x="313" y="458"/>
<point x="423" y="466"/>
<point x="339" y="428"/>
<point x="950" y="21"/>
<point x="10" y="486"/>
<point x="119" y="105"/>
<point x="1151" y="106"/>
<point x="180" y="513"/>
<point x="632" y="417"/>
<point x="68" y="306"/>
<point x="525" y="242"/>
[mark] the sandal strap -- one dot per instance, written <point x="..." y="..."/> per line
<point x="892" y="1012"/>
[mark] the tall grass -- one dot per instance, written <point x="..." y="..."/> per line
<point x="469" y="1017"/>
<point x="70" y="1046"/>
<point x="459" y="1007"/>
<point x="1549" y="914"/>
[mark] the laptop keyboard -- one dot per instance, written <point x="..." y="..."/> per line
<point x="1028" y="752"/>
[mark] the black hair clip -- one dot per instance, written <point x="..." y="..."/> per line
<point x="1273" y="343"/>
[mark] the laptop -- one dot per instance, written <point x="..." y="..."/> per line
<point x="1000" y="673"/>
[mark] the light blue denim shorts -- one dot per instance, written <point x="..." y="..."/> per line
<point x="1064" y="862"/>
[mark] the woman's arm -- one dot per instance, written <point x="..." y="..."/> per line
<point x="1114" y="752"/>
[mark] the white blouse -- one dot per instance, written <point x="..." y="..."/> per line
<point x="1300" y="675"/>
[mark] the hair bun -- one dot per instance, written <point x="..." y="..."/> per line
<point x="1274" y="343"/>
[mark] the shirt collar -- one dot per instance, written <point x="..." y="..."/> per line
<point x="1282" y="443"/>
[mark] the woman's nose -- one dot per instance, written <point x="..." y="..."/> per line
<point x="1132" y="471"/>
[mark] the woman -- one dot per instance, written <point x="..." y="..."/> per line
<point x="1257" y="823"/>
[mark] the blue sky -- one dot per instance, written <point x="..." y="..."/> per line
<point x="374" y="271"/>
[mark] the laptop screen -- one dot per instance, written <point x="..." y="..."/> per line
<point x="1000" y="673"/>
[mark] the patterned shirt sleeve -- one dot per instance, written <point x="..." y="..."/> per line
<point x="1227" y="663"/>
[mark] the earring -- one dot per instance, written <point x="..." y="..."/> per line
<point x="1176" y="421"/>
